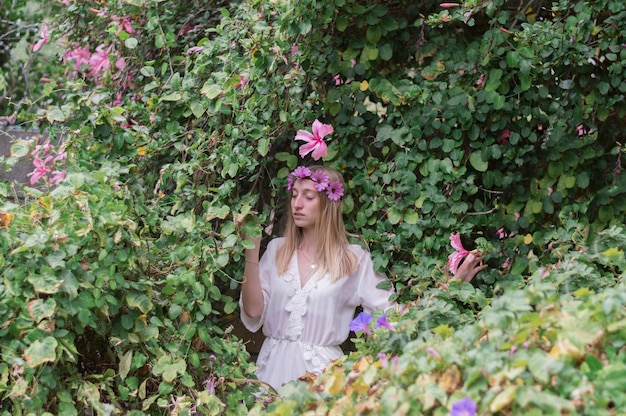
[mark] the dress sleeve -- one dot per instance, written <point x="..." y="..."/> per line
<point x="370" y="297"/>
<point x="266" y="264"/>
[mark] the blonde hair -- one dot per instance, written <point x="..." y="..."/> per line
<point x="333" y="246"/>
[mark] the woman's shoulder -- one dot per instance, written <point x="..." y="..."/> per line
<point x="275" y="242"/>
<point x="358" y="250"/>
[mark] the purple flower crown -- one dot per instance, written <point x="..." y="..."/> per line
<point x="334" y="190"/>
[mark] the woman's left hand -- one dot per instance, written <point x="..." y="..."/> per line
<point x="471" y="265"/>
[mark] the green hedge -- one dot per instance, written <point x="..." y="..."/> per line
<point x="503" y="124"/>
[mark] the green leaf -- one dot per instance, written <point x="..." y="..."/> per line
<point x="512" y="59"/>
<point x="211" y="90"/>
<point x="56" y="114"/>
<point x="477" y="162"/>
<point x="20" y="148"/>
<point x="493" y="81"/>
<point x="41" y="351"/>
<point x="555" y="169"/>
<point x="526" y="81"/>
<point x="411" y="216"/>
<point x="41" y="309"/>
<point x="394" y="215"/>
<point x="169" y="369"/>
<point x="125" y="363"/>
<point x="606" y="213"/>
<point x="373" y="34"/>
<point x="503" y="399"/>
<point x="197" y="108"/>
<point x="174" y="96"/>
<point x="498" y="102"/>
<point x="342" y="22"/>
<point x="139" y="301"/>
<point x="131" y="43"/>
<point x="45" y="284"/>
<point x="147" y="71"/>
<point x="263" y="146"/>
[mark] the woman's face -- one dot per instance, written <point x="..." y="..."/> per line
<point x="305" y="203"/>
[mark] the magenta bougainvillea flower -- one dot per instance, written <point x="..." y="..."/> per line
<point x="314" y="141"/>
<point x="361" y="323"/>
<point x="460" y="253"/>
<point x="464" y="407"/>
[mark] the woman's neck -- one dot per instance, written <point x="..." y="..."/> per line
<point x="308" y="242"/>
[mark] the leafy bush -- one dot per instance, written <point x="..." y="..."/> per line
<point x="540" y="349"/>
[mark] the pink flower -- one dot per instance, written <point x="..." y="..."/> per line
<point x="507" y="263"/>
<point x="44" y="39"/>
<point x="120" y="64"/>
<point x="334" y="192"/>
<point x="243" y="82"/>
<point x="455" y="258"/>
<point x="79" y="55"/>
<point x="123" y="23"/>
<point x="448" y="5"/>
<point x="320" y="180"/>
<point x="433" y="352"/>
<point x="99" y="61"/>
<point x="57" y="176"/>
<point x="37" y="174"/>
<point x="302" y="172"/>
<point x="314" y="142"/>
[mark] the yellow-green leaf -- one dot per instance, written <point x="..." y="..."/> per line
<point x="41" y="351"/>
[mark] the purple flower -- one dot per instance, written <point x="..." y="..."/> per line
<point x="382" y="321"/>
<point x="334" y="191"/>
<point x="320" y="179"/>
<point x="302" y="172"/>
<point x="464" y="407"/>
<point x="361" y="323"/>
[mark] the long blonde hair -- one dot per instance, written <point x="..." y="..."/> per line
<point x="333" y="246"/>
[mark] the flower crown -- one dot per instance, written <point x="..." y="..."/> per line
<point x="317" y="147"/>
<point x="334" y="190"/>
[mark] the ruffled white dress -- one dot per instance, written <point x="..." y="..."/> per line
<point x="305" y="326"/>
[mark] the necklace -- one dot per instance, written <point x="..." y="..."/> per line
<point x="312" y="262"/>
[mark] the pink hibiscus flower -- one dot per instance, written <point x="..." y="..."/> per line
<point x="44" y="39"/>
<point x="459" y="254"/>
<point x="314" y="141"/>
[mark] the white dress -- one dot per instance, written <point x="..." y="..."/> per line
<point x="305" y="326"/>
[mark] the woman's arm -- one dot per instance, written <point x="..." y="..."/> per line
<point x="251" y="294"/>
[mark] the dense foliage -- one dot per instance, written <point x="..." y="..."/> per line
<point x="169" y="123"/>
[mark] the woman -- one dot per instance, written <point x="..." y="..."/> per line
<point x="305" y="289"/>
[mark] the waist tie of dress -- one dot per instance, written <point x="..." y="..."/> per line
<point x="315" y="354"/>
<point x="298" y="340"/>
